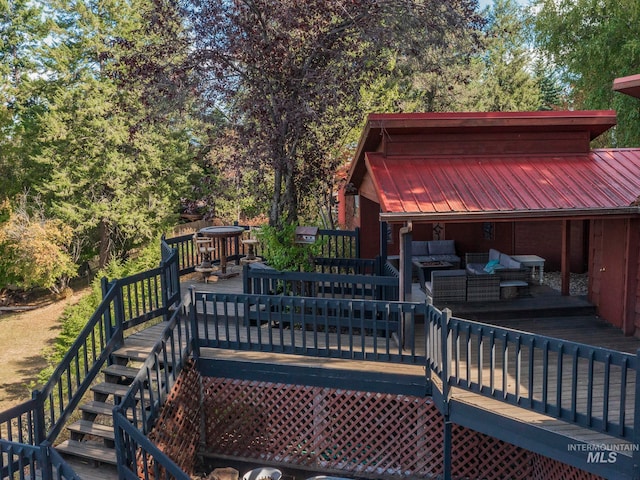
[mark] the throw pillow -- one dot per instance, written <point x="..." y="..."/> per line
<point x="491" y="266"/>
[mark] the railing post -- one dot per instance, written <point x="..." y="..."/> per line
<point x="427" y="347"/>
<point x="636" y="422"/>
<point x="45" y="459"/>
<point x="446" y="392"/>
<point x="38" y="420"/>
<point x="118" y="307"/>
<point x="104" y="286"/>
<point x="193" y="317"/>
<point x="164" y="293"/>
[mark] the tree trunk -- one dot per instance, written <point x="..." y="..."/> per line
<point x="105" y="244"/>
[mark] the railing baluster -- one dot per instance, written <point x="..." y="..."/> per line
<point x="492" y="362"/>
<point x="574" y="383"/>
<point x="590" y="386"/>
<point x="559" y="363"/>
<point x="605" y="393"/>
<point x="623" y="397"/>
<point x="545" y="376"/>
<point x="505" y="366"/>
<point x="468" y="354"/>
<point x="480" y="359"/>
<point x="518" y="366"/>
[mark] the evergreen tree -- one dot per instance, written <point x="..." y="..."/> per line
<point x="507" y="82"/>
<point x="117" y="147"/>
<point x="22" y="29"/>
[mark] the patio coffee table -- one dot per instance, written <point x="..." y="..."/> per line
<point x="532" y="261"/>
<point x="425" y="269"/>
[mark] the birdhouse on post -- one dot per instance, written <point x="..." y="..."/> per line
<point x="306" y="235"/>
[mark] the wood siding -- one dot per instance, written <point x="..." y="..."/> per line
<point x="489" y="144"/>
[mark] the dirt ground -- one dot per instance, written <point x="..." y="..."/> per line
<point x="24" y="339"/>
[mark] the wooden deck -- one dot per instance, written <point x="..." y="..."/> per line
<point x="546" y="313"/>
<point x="493" y="417"/>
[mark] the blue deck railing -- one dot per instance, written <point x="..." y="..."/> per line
<point x="36" y="424"/>
<point x="334" y="244"/>
<point x="589" y="386"/>
<point x="137" y="412"/>
<point x="337" y="328"/>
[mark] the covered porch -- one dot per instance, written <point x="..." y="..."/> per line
<point x="521" y="183"/>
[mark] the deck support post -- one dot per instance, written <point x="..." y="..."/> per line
<point x="446" y="391"/>
<point x="446" y="467"/>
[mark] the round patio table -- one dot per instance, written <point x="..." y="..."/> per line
<point x="222" y="232"/>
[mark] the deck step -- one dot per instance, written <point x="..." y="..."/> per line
<point x="97" y="408"/>
<point x="85" y="427"/>
<point x="89" y="450"/>
<point x="120" y="372"/>
<point x="108" y="388"/>
<point x="133" y="352"/>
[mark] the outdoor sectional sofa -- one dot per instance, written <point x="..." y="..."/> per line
<point x="477" y="282"/>
<point x="435" y="251"/>
<point x="487" y="271"/>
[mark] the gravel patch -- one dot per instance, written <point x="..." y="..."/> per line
<point x="579" y="282"/>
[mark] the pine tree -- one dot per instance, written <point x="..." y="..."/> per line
<point x="507" y="82"/>
<point x="595" y="42"/>
<point x="117" y="147"/>
<point x="22" y="30"/>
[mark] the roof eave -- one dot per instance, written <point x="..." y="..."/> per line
<point x="511" y="215"/>
<point x="628" y="85"/>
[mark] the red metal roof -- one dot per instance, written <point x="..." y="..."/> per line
<point x="507" y="123"/>
<point x="415" y="187"/>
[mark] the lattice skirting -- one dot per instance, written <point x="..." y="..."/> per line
<point x="359" y="433"/>
<point x="177" y="431"/>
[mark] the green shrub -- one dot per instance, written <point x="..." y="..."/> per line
<point x="283" y="253"/>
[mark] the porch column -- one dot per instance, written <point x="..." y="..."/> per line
<point x="383" y="241"/>
<point x="405" y="262"/>
<point x="565" y="262"/>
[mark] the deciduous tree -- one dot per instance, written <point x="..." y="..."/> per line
<point x="288" y="74"/>
<point x="595" y="42"/>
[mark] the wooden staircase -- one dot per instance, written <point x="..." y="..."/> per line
<point x="91" y="438"/>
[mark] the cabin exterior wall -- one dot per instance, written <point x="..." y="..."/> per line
<point x="614" y="267"/>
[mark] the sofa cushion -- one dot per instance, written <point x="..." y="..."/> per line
<point x="494" y="254"/>
<point x="442" y="247"/>
<point x="419" y="248"/>
<point x="476" y="268"/>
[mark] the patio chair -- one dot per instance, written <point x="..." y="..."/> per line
<point x="482" y="288"/>
<point x="204" y="247"/>
<point x="251" y="242"/>
<point x="447" y="286"/>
